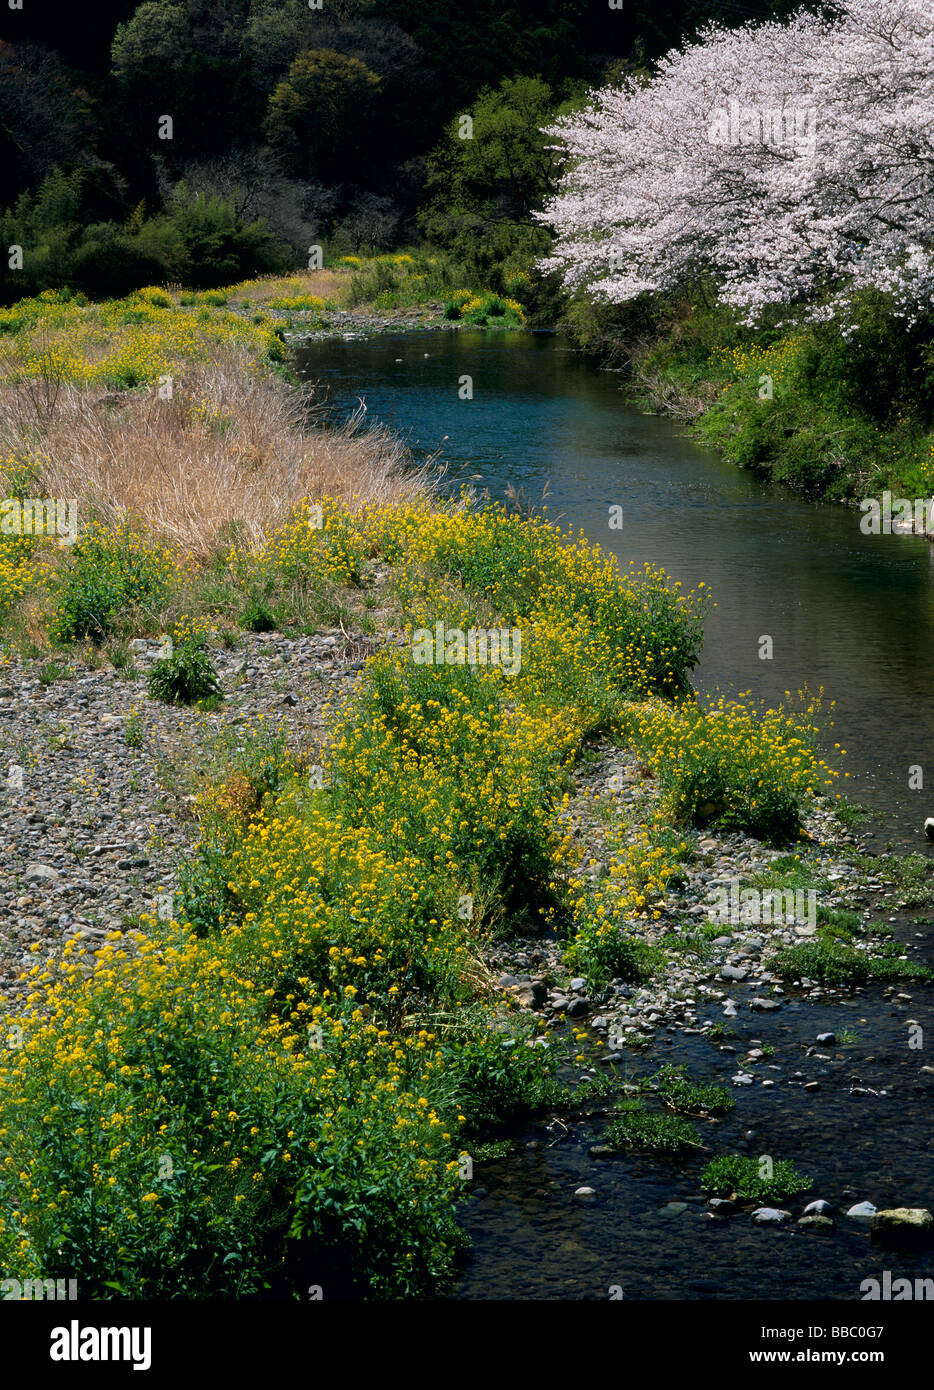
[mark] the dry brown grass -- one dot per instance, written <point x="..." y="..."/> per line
<point x="230" y="449"/>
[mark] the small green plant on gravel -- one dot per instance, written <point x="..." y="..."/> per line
<point x="752" y="1179"/>
<point x="257" y="616"/>
<point x="51" y="672"/>
<point x="852" y="813"/>
<point x="188" y="675"/>
<point x="635" y="1128"/>
<point x="121" y="659"/>
<point x="133" y="729"/>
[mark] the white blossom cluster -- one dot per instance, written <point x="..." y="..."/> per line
<point x="792" y="162"/>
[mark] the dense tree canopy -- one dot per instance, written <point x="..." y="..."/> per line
<point x="330" y="122"/>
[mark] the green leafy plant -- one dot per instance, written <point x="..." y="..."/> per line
<point x="188" y="675"/>
<point x="679" y="1092"/>
<point x="635" y="1128"/>
<point x="753" y="1179"/>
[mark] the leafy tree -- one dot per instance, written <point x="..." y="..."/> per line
<point x="483" y="188"/>
<point x="171" y="59"/>
<point x="215" y="247"/>
<point x="317" y="116"/>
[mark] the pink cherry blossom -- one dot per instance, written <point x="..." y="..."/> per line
<point x="792" y="162"/>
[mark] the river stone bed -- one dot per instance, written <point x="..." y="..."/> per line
<point x="691" y="993"/>
<point x="94" y="835"/>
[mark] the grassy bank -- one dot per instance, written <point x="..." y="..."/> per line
<point x="828" y="414"/>
<point x="285" y="1083"/>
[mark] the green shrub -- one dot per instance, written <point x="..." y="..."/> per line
<point x="188" y="675"/>
<point x="257" y="616"/>
<point x="498" y="1078"/>
<point x="753" y="1179"/>
<point x="601" y="955"/>
<point x="109" y="581"/>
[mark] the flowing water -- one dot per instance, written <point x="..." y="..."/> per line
<point x="850" y="612"/>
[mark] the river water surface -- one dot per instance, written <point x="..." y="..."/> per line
<point x="849" y="612"/>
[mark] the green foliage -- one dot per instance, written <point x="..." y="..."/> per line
<point x="912" y="873"/>
<point x="680" y="1093"/>
<point x="499" y="1078"/>
<point x="318" y="115"/>
<point x="485" y="310"/>
<point x="602" y="955"/>
<point x="826" y="413"/>
<point x="829" y="961"/>
<point x="109" y="580"/>
<point x="257" y="616"/>
<point x="481" y="189"/>
<point x="200" y="241"/>
<point x="636" y="1128"/>
<point x="188" y="675"/>
<point x="732" y="765"/>
<point x="133" y="729"/>
<point x="743" y="1176"/>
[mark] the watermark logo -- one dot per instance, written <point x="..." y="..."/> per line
<point x="40" y="516"/>
<point x="781" y="127"/>
<point x="478" y="646"/>
<point x="903" y="516"/>
<point x="38" y="1290"/>
<point x="77" y="1343"/>
<point x="889" y="1290"/>
<point x="735" y="906"/>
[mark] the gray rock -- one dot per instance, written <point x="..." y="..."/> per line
<point x="818" y="1208"/>
<point x="764" y="1006"/>
<point x="863" y="1211"/>
<point x="770" y="1216"/>
<point x="816" y="1223"/>
<point x="721" y="1205"/>
<point x="40" y="873"/>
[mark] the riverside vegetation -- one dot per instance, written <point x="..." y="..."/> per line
<point x="285" y="1081"/>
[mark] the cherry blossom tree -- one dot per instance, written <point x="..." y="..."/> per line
<point x="790" y="162"/>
